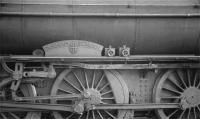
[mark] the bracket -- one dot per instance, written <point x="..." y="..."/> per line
<point x="124" y="51"/>
<point x="50" y="73"/>
<point x="18" y="73"/>
<point x="110" y="52"/>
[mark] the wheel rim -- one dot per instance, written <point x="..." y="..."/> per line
<point x="179" y="86"/>
<point x="25" y="90"/>
<point x="104" y="87"/>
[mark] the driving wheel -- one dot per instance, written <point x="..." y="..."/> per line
<point x="100" y="86"/>
<point x="179" y="86"/>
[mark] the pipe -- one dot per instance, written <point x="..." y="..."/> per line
<point x="91" y="4"/>
<point x="5" y="81"/>
<point x="50" y="14"/>
<point x="6" y="68"/>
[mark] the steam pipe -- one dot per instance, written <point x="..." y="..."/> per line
<point x="50" y="14"/>
<point x="107" y="4"/>
<point x="5" y="81"/>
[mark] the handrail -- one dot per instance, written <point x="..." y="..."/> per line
<point x="100" y="4"/>
<point x="53" y="14"/>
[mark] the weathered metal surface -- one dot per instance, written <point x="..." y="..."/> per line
<point x="24" y="90"/>
<point x="132" y="62"/>
<point x="99" y="86"/>
<point x="129" y="66"/>
<point x="73" y="48"/>
<point x="64" y="107"/>
<point x="146" y="106"/>
<point x="135" y="58"/>
<point x="47" y="73"/>
<point x="50" y="14"/>
<point x="178" y="86"/>
<point x="146" y="26"/>
<point x="36" y="106"/>
<point x="57" y="97"/>
<point x="5" y="81"/>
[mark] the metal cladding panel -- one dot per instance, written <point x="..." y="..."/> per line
<point x="10" y="34"/>
<point x="147" y="26"/>
<point x="168" y="36"/>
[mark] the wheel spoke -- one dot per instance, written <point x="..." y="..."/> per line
<point x="70" y="115"/>
<point x="4" y="117"/>
<point x="181" y="115"/>
<point x="65" y="79"/>
<point x="65" y="91"/>
<point x="88" y="114"/>
<point x="93" y="114"/>
<point x="93" y="80"/>
<point x="80" y="116"/>
<point x="103" y="87"/>
<point x="188" y="115"/>
<point x="100" y="80"/>
<point x="198" y="108"/>
<point x="110" y="114"/>
<point x="86" y="79"/>
<point x="171" y="90"/>
<point x="188" y="77"/>
<point x="177" y="85"/>
<point x="100" y="114"/>
<point x="79" y="81"/>
<point x="110" y="98"/>
<point x="170" y="97"/>
<point x="194" y="111"/>
<point x="174" y="112"/>
<point x="195" y="79"/>
<point x="181" y="78"/>
<point x="110" y="91"/>
<point x="13" y="115"/>
<point x="198" y="85"/>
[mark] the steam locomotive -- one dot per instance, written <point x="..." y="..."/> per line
<point x="99" y="59"/>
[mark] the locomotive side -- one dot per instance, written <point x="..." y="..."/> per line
<point x="100" y="59"/>
<point x="146" y="26"/>
<point x="72" y="80"/>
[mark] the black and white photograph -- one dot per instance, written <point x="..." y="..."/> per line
<point x="99" y="59"/>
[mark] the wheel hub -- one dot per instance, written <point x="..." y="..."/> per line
<point x="191" y="97"/>
<point x="93" y="95"/>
